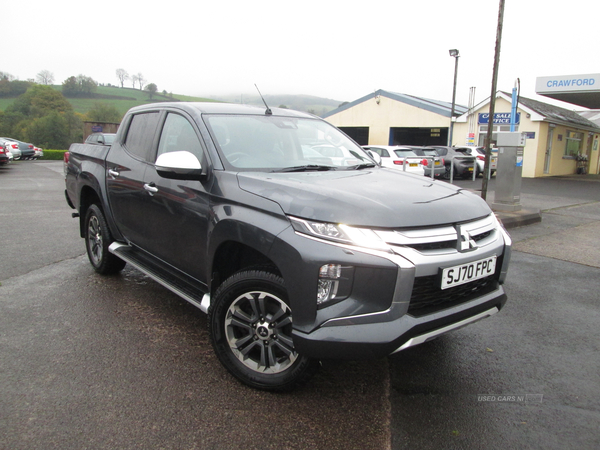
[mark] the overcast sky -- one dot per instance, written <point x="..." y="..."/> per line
<point x="341" y="50"/>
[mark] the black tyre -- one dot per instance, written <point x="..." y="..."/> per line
<point x="446" y="175"/>
<point x="97" y="241"/>
<point x="250" y="325"/>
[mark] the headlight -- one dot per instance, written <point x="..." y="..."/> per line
<point x="362" y="237"/>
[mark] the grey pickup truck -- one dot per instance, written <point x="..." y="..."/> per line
<point x="295" y="256"/>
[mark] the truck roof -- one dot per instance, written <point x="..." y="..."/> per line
<point x="220" y="108"/>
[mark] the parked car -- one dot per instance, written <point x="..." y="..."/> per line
<point x="337" y="156"/>
<point x="292" y="261"/>
<point x="4" y="155"/>
<point x="38" y="153"/>
<point x="100" y="138"/>
<point x="437" y="163"/>
<point x="27" y="150"/>
<point x="12" y="146"/>
<point x="461" y="159"/>
<point x="398" y="157"/>
<point x="479" y="153"/>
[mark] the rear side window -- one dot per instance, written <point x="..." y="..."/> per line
<point x="141" y="134"/>
<point x="381" y="152"/>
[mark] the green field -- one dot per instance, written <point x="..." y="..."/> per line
<point x="128" y="98"/>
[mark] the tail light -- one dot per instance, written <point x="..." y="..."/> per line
<point x="66" y="157"/>
<point x="424" y="162"/>
<point x="30" y="145"/>
<point x="15" y="145"/>
<point x="480" y="157"/>
<point x="399" y="162"/>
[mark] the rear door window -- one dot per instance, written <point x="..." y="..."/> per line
<point x="140" y="135"/>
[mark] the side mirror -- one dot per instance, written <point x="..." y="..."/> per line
<point x="181" y="165"/>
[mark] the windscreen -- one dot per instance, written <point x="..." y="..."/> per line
<point x="277" y="142"/>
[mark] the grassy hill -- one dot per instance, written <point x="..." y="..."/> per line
<point x="125" y="98"/>
<point x="120" y="98"/>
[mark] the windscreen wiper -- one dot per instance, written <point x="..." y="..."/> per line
<point x="362" y="166"/>
<point x="305" y="168"/>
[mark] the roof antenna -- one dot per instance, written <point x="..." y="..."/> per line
<point x="268" y="112"/>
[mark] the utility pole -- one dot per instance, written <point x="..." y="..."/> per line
<point x="454" y="53"/>
<point x="488" y="139"/>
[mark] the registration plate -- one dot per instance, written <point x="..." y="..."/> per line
<point x="437" y="163"/>
<point x="413" y="165"/>
<point x="457" y="275"/>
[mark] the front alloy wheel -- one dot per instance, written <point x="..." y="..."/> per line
<point x="251" y="332"/>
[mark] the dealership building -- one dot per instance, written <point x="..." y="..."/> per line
<point x="559" y="141"/>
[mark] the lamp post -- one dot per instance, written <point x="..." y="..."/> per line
<point x="454" y="53"/>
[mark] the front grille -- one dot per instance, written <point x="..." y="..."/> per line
<point x="442" y="245"/>
<point x="427" y="297"/>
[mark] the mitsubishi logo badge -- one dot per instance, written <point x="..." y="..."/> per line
<point x="465" y="242"/>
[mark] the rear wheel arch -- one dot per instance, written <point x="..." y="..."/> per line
<point x="87" y="197"/>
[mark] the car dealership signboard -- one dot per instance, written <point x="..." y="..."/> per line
<point x="499" y="118"/>
<point x="567" y="83"/>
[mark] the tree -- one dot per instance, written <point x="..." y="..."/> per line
<point x="13" y="88"/>
<point x="40" y="100"/>
<point x="6" y="76"/>
<point x="69" y="87"/>
<point x="50" y="131"/>
<point x="141" y="80"/>
<point x="80" y="86"/>
<point x="122" y="75"/>
<point x="45" y="77"/>
<point x="103" y="112"/>
<point x="87" y="85"/>
<point x="134" y="80"/>
<point x="152" y="89"/>
<point x="44" y="116"/>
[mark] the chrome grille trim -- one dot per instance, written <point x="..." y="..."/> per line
<point x="444" y="235"/>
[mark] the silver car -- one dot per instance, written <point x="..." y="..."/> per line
<point x="479" y="153"/>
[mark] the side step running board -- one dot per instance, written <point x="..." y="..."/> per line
<point x="175" y="282"/>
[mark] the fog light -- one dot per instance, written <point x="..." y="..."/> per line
<point x="328" y="282"/>
<point x="330" y="271"/>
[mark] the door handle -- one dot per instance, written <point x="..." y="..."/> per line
<point x="113" y="173"/>
<point x="151" y="188"/>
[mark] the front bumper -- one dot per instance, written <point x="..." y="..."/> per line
<point x="378" y="339"/>
<point x="419" y="310"/>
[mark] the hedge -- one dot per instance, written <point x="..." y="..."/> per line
<point x="53" y="155"/>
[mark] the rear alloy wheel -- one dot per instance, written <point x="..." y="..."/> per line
<point x="251" y="332"/>
<point x="97" y="241"/>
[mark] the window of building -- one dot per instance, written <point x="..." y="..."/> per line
<point x="573" y="143"/>
<point x="483" y="129"/>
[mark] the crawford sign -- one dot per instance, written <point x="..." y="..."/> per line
<point x="499" y="118"/>
<point x="567" y="83"/>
